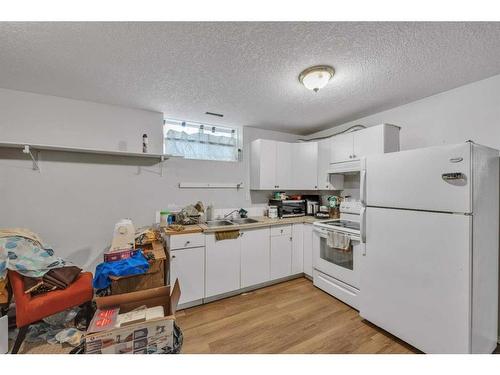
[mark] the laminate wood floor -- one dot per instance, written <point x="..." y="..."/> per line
<point x="291" y="317"/>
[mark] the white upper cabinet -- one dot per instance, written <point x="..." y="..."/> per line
<point x="327" y="181"/>
<point x="283" y="165"/>
<point x="341" y="147"/>
<point x="263" y="164"/>
<point x="304" y="165"/>
<point x="373" y="140"/>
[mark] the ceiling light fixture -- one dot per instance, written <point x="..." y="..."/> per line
<point x="316" y="77"/>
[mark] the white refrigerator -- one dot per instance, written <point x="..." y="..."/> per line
<point x="429" y="273"/>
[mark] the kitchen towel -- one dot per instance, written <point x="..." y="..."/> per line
<point x="227" y="235"/>
<point x="338" y="240"/>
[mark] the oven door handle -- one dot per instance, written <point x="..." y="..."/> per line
<point x="362" y="224"/>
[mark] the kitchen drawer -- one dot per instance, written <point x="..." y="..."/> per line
<point x="281" y="230"/>
<point x="336" y="288"/>
<point x="182" y="241"/>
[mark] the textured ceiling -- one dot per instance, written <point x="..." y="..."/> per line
<point x="247" y="71"/>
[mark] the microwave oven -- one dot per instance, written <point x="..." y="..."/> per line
<point x="289" y="208"/>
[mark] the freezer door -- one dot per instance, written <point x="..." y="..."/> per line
<point x="415" y="277"/>
<point x="433" y="179"/>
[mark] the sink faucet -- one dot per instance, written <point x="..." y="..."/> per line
<point x="242" y="212"/>
<point x="231" y="213"/>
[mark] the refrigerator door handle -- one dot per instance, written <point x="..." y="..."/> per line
<point x="362" y="184"/>
<point x="362" y="226"/>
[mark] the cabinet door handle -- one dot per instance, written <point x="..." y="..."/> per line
<point x="290" y="238"/>
<point x="173" y="256"/>
<point x="241" y="234"/>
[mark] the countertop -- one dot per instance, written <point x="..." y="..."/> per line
<point x="263" y="221"/>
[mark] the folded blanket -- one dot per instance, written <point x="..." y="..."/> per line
<point x="23" y="251"/>
<point x="135" y="265"/>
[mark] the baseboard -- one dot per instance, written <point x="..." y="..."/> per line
<point x="240" y="291"/>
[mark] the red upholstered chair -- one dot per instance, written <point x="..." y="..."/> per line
<point x="32" y="309"/>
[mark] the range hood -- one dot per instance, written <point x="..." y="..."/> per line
<point x="345" y="167"/>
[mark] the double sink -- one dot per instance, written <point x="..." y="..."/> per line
<point x="220" y="223"/>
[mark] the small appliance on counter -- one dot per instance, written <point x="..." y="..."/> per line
<point x="272" y="212"/>
<point x="289" y="208"/>
<point x="312" y="204"/>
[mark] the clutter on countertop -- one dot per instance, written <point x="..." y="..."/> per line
<point x="182" y="229"/>
<point x="146" y="235"/>
<point x="140" y="332"/>
<point x="190" y="214"/>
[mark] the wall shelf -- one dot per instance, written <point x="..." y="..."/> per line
<point x="210" y="185"/>
<point x="84" y="150"/>
<point x="27" y="148"/>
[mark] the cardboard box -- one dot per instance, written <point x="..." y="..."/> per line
<point x="154" y="278"/>
<point x="148" y="337"/>
<point x="120" y="255"/>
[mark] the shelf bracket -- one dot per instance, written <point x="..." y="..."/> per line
<point x="27" y="150"/>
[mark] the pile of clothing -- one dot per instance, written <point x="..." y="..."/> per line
<point x="24" y="252"/>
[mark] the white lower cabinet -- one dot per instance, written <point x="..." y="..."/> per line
<point x="281" y="254"/>
<point x="255" y="256"/>
<point x="308" y="249"/>
<point x="297" y="248"/>
<point x="188" y="265"/>
<point x="222" y="266"/>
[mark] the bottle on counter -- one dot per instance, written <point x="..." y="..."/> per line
<point x="145" y="143"/>
<point x="164" y="216"/>
<point x="209" y="212"/>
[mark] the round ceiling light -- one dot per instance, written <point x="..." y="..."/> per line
<point x="316" y="77"/>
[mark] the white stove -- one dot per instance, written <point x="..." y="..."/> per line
<point x="350" y="211"/>
<point x="336" y="271"/>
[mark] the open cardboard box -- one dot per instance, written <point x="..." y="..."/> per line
<point x="150" y="336"/>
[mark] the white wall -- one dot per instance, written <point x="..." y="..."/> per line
<point x="76" y="199"/>
<point x="467" y="112"/>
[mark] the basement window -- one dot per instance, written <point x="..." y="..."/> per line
<point x="193" y="140"/>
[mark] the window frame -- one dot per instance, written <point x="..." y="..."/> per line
<point x="197" y="126"/>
